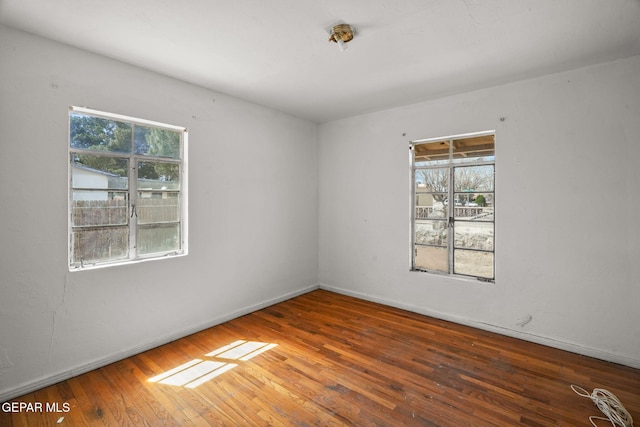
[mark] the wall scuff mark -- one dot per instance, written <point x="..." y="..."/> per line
<point x="528" y="318"/>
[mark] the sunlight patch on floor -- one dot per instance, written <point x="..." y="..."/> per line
<point x="199" y="371"/>
<point x="241" y="350"/>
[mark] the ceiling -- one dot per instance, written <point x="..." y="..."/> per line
<point x="276" y="53"/>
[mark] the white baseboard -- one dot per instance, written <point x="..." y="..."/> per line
<point x="31" y="386"/>
<point x="538" y="339"/>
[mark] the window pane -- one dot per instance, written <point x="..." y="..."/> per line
<point x="470" y="179"/>
<point x="473" y="235"/>
<point x="431" y="232"/>
<point x="479" y="148"/>
<point x="431" y="193"/>
<point x="473" y="213"/>
<point x="158" y="176"/>
<point x="158" y="238"/>
<point x="157" y="142"/>
<point x="99" y="172"/>
<point x="432" y="180"/>
<point x="90" y="209"/>
<point x="431" y="206"/>
<point x="431" y="258"/>
<point x="96" y="133"/>
<point x="473" y="207"/>
<point x="473" y="263"/>
<point x="103" y="244"/>
<point x="158" y="207"/>
<point x="431" y="153"/>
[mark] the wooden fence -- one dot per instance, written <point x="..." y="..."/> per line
<point x="100" y="227"/>
<point x="95" y="213"/>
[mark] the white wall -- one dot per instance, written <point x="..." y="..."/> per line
<point x="567" y="209"/>
<point x="253" y="214"/>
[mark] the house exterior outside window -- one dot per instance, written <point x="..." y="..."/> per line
<point x="127" y="189"/>
<point x="453" y="208"/>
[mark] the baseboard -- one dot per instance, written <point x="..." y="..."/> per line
<point x="32" y="386"/>
<point x="538" y="339"/>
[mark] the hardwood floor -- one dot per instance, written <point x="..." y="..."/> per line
<point x="335" y="360"/>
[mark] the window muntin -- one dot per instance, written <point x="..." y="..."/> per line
<point x="454" y="205"/>
<point x="127" y="187"/>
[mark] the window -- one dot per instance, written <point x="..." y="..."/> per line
<point x="127" y="188"/>
<point x="454" y="205"/>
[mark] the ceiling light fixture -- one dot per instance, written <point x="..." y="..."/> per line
<point x="341" y="34"/>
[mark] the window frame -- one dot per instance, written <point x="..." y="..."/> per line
<point x="450" y="164"/>
<point x="132" y="193"/>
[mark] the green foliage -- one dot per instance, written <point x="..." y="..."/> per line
<point x="481" y="201"/>
<point x="96" y="133"/>
<point x="163" y="143"/>
<point x="167" y="171"/>
<point x="112" y="165"/>
<point x="159" y="171"/>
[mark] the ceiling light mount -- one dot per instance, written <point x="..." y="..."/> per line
<point x="341" y="34"/>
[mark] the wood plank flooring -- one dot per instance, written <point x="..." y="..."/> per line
<point x="337" y="361"/>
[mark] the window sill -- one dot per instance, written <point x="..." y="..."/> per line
<point x="127" y="262"/>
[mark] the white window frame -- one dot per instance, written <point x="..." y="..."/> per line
<point x="450" y="208"/>
<point x="131" y="192"/>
